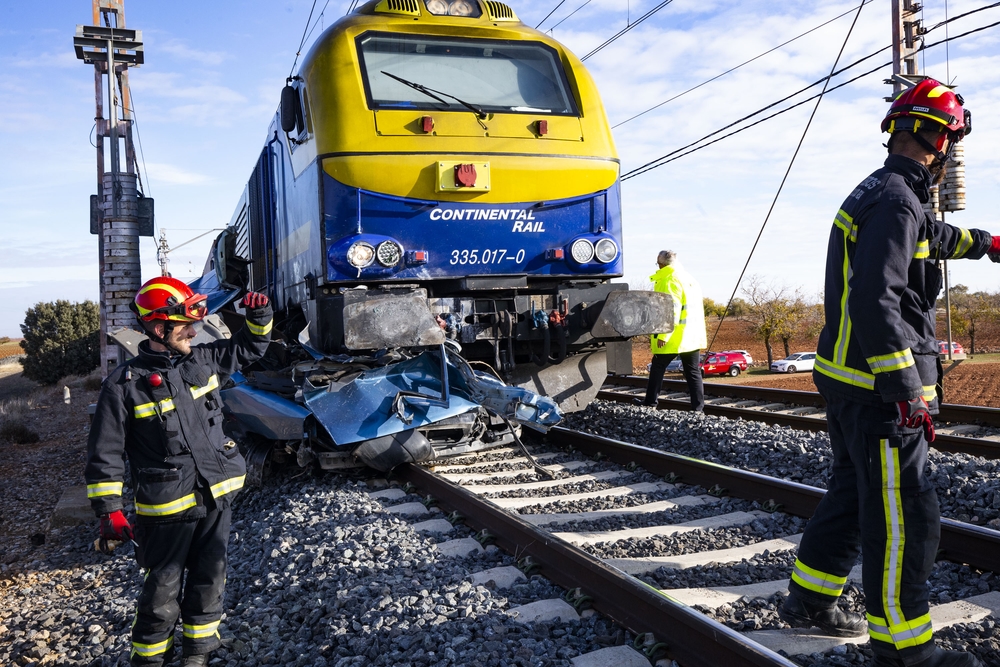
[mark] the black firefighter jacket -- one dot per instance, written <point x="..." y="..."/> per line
<point x="882" y="280"/>
<point x="172" y="434"/>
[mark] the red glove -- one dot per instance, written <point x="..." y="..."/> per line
<point x="254" y="300"/>
<point x="115" y="527"/>
<point x="994" y="251"/>
<point x="914" y="413"/>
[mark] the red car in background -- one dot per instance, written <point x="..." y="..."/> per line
<point x="723" y="363"/>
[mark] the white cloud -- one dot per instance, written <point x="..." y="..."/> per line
<point x="181" y="50"/>
<point x="168" y="174"/>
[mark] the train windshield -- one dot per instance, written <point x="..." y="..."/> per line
<point x="436" y="73"/>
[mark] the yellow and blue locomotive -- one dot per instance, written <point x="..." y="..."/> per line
<point x="439" y="177"/>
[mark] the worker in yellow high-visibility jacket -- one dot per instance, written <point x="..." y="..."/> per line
<point x="688" y="337"/>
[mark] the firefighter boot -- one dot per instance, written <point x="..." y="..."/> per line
<point x="199" y="660"/>
<point x="799" y="612"/>
<point x="939" y="658"/>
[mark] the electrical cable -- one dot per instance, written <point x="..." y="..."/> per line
<point x="624" y="30"/>
<point x="560" y="4"/>
<point x="303" y="41"/>
<point x="733" y="69"/>
<point x="663" y="158"/>
<point x="318" y="19"/>
<point x="787" y="172"/>
<point x="568" y="16"/>
<point x="671" y="156"/>
<point x="637" y="172"/>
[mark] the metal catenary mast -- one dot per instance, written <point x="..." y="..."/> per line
<point x="118" y="212"/>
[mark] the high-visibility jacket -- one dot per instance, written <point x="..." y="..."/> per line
<point x="882" y="281"/>
<point x="689" y="311"/>
<point x="172" y="433"/>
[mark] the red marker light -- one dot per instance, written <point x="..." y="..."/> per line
<point x="427" y="124"/>
<point x="465" y="175"/>
<point x="155" y="380"/>
<point x="420" y="255"/>
<point x="542" y="127"/>
<point x="555" y="253"/>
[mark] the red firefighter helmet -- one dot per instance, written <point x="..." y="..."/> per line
<point x="167" y="298"/>
<point x="928" y="105"/>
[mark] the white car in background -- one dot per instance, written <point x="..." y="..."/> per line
<point x="800" y="361"/>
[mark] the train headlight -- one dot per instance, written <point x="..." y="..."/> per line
<point x="360" y="255"/>
<point x="606" y="251"/>
<point x="465" y="8"/>
<point x="582" y="251"/>
<point x="388" y="253"/>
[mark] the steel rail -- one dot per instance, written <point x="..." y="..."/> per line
<point x="692" y="639"/>
<point x="950" y="412"/>
<point x="960" y="542"/>
<point x="989" y="449"/>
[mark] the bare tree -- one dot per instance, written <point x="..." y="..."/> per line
<point x="771" y="312"/>
<point x="970" y="311"/>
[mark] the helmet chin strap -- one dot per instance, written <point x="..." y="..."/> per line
<point x="940" y="159"/>
<point x="168" y="326"/>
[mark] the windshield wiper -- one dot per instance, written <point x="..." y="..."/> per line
<point x="430" y="92"/>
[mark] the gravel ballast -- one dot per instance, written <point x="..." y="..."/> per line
<point x="319" y="574"/>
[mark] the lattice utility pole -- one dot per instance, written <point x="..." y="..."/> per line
<point x="118" y="212"/>
<point x="906" y="31"/>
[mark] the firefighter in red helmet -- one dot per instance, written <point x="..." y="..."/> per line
<point x="877" y="366"/>
<point x="163" y="411"/>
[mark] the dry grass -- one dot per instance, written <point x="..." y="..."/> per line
<point x="14" y="421"/>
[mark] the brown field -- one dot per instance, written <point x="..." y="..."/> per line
<point x="975" y="381"/>
<point x="11" y="348"/>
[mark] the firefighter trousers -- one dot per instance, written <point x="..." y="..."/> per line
<point x="879" y="501"/>
<point x="168" y="551"/>
<point x="691" y="363"/>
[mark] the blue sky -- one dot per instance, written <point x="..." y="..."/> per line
<point x="213" y="76"/>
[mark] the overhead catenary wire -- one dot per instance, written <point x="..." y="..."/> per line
<point x="679" y="152"/>
<point x="733" y="69"/>
<point x="621" y="33"/>
<point x="568" y="16"/>
<point x="298" y="51"/>
<point x="558" y="5"/>
<point x="784" y="179"/>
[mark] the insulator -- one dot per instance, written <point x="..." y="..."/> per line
<point x="951" y="192"/>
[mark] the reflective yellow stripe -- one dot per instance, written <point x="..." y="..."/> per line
<point x="930" y="392"/>
<point x="846" y="223"/>
<point x="923" y="250"/>
<point x="892" y="506"/>
<point x="815" y="580"/>
<point x="883" y="363"/>
<point x="199" y="631"/>
<point x="850" y="376"/>
<point x="910" y="633"/>
<point x="260" y="329"/>
<point x="228" y="486"/>
<point x="844" y="330"/>
<point x="150" y="650"/>
<point x="938" y="91"/>
<point x="149" y="409"/>
<point x="104" y="489"/>
<point x="213" y="383"/>
<point x="964" y="244"/>
<point x="173" y="507"/>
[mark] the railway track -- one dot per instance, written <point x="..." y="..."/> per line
<point x="966" y="429"/>
<point x="537" y="520"/>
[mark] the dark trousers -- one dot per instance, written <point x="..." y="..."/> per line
<point x="878" y="501"/>
<point x="167" y="551"/>
<point x="691" y="364"/>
